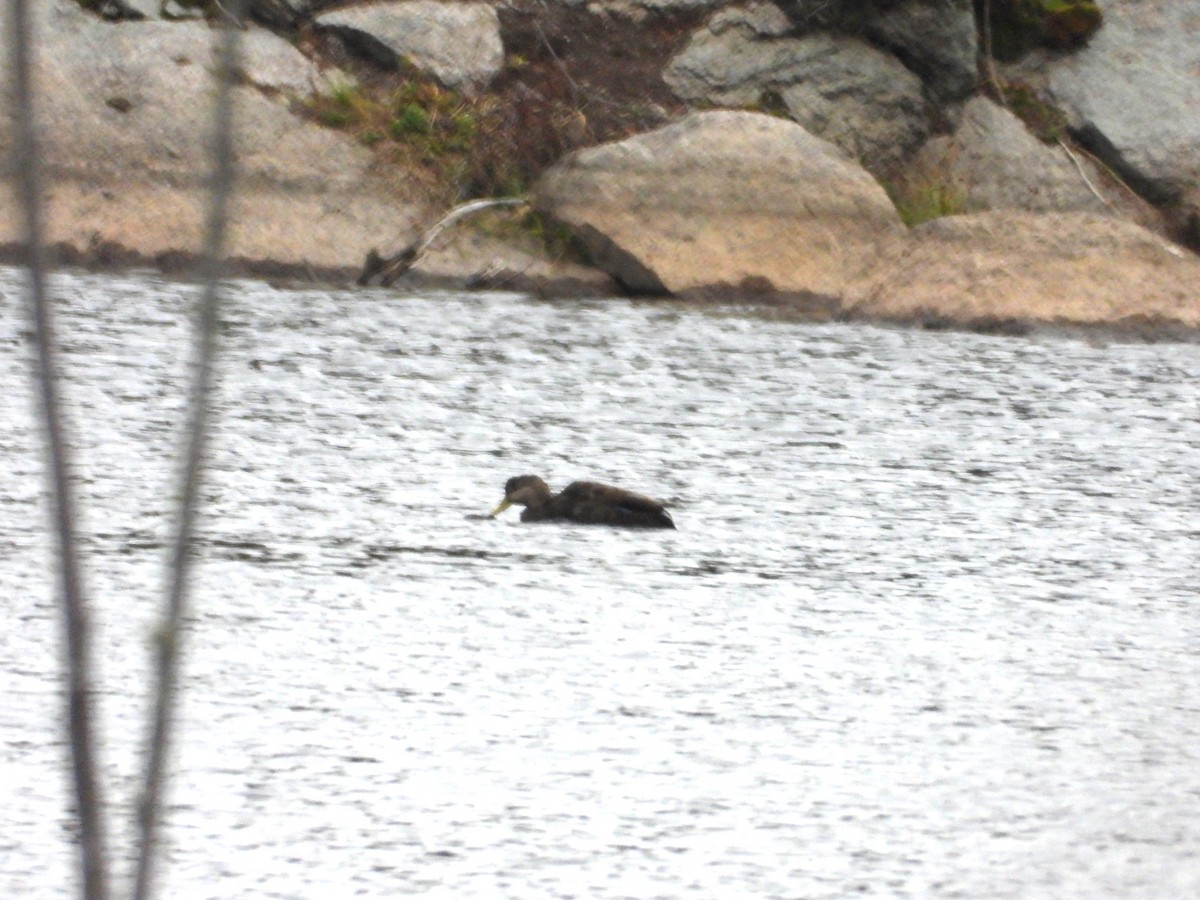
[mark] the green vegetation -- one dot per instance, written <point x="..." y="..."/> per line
<point x="772" y="103"/>
<point x="459" y="147"/>
<point x="919" y="200"/>
<point x="558" y="240"/>
<point x="345" y="105"/>
<point x="523" y="227"/>
<point x="1045" y="121"/>
<point x="411" y="121"/>
<point x="1068" y="23"/>
<point x="555" y="93"/>
<point x="420" y="124"/>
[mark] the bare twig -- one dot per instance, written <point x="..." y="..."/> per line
<point x="562" y="68"/>
<point x="989" y="61"/>
<point x="169" y="637"/>
<point x="1115" y="178"/>
<point x="384" y="271"/>
<point x="88" y="799"/>
<point x="1082" y="174"/>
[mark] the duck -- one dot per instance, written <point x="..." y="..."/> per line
<point x="584" y="502"/>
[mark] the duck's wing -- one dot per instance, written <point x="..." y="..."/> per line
<point x="603" y="504"/>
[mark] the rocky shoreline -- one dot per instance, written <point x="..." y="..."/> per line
<point x="780" y="156"/>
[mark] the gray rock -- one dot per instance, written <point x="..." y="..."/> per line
<point x="763" y="20"/>
<point x="997" y="164"/>
<point x="721" y="200"/>
<point x="839" y="88"/>
<point x="125" y="114"/>
<point x="458" y="43"/>
<point x="737" y="56"/>
<point x="268" y="61"/>
<point x="937" y="39"/>
<point x="1133" y="93"/>
<point x="859" y="98"/>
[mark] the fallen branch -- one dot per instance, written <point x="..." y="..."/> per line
<point x="169" y="634"/>
<point x="385" y="270"/>
<point x="1082" y="174"/>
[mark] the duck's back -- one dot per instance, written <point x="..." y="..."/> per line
<point x="593" y="503"/>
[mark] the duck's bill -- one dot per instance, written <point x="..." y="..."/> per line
<point x="504" y="504"/>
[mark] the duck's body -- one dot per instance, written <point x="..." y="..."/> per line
<point x="585" y="502"/>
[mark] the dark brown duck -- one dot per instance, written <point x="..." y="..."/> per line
<point x="586" y="502"/>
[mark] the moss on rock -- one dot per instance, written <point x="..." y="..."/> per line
<point x="1068" y="23"/>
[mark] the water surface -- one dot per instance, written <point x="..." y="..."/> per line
<point x="926" y="628"/>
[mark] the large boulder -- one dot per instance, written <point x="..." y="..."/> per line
<point x="1008" y="268"/>
<point x="1133" y="95"/>
<point x="458" y="43"/>
<point x="839" y="88"/>
<point x="721" y="200"/>
<point x="125" y="116"/>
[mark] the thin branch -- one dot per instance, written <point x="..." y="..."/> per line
<point x="380" y="270"/>
<point x="169" y="637"/>
<point x="88" y="800"/>
<point x="1082" y="174"/>
<point x="989" y="61"/>
<point x="562" y="68"/>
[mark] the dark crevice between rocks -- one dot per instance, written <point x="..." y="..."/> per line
<point x="365" y="47"/>
<point x="1104" y="150"/>
<point x="625" y="268"/>
<point x="1181" y="214"/>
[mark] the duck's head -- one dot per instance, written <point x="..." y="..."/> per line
<point x="523" y="490"/>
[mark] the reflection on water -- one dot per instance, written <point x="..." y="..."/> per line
<point x="927" y="627"/>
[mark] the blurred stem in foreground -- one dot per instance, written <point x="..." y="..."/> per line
<point x="88" y="800"/>
<point x="168" y="637"/>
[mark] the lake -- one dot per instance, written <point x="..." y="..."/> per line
<point x="928" y="626"/>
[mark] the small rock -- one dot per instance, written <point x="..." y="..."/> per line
<point x="268" y="61"/>
<point x="458" y="43"/>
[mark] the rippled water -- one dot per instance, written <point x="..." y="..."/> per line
<point x="928" y="626"/>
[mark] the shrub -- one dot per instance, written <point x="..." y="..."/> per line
<point x="410" y="120"/>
